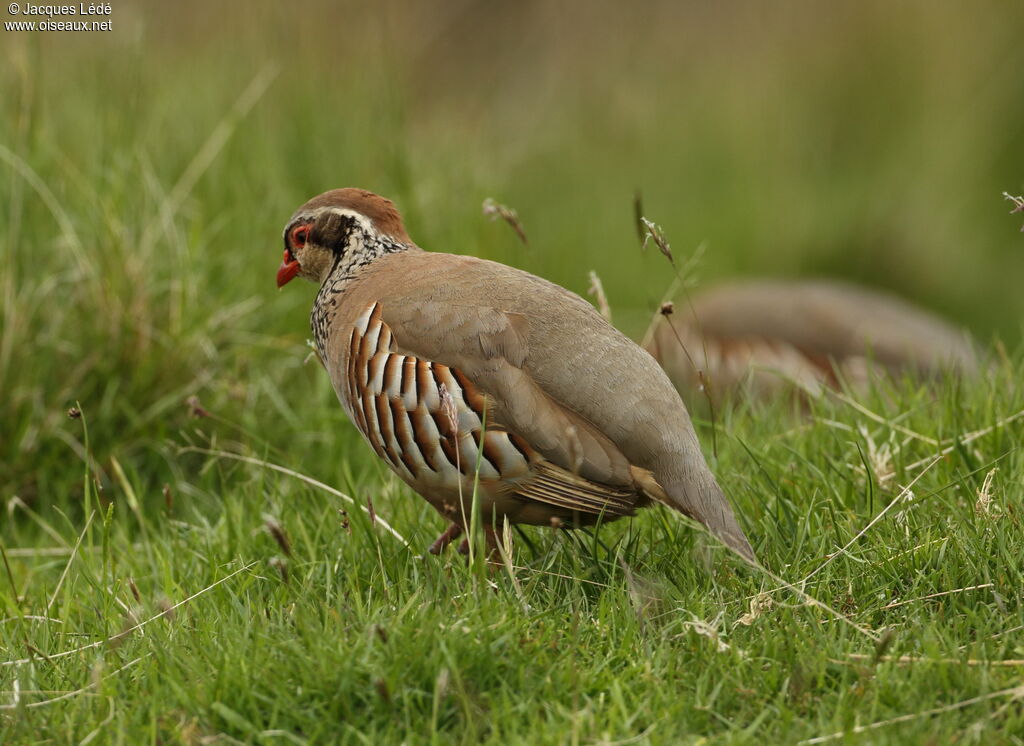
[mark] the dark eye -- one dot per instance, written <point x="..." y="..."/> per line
<point x="300" y="235"/>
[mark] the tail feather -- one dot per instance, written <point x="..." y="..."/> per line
<point x="695" y="493"/>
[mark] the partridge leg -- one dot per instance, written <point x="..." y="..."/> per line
<point x="450" y="534"/>
<point x="490" y="535"/>
<point x="491" y="538"/>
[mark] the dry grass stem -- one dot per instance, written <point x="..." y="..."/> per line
<point x="880" y="419"/>
<point x="35" y="552"/>
<point x="811" y="600"/>
<point x="898" y="499"/>
<point x="448" y="410"/>
<point x="297" y="475"/>
<point x="1015" y="692"/>
<point x="71" y="558"/>
<point x="905" y="660"/>
<point x="140" y="625"/>
<point x="495" y="210"/>
<point x="673" y="289"/>
<point x="709" y="629"/>
<point x="1018" y="205"/>
<point x="277" y="532"/>
<point x="970" y="438"/>
<point x="759" y="605"/>
<point x="88" y="687"/>
<point x="121" y="634"/>
<point x="656" y="234"/>
<point x="879" y="458"/>
<point x="503" y="545"/>
<point x="597" y="290"/>
<point x="897" y="604"/>
<point x="983" y="505"/>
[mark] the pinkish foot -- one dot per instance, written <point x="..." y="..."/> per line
<point x="453" y="532"/>
<point x="491" y="537"/>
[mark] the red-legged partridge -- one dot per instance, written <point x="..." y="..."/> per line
<point x="765" y="337"/>
<point x="463" y="372"/>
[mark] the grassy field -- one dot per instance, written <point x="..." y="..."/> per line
<point x="191" y="560"/>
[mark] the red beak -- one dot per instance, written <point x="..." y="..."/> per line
<point x="288" y="269"/>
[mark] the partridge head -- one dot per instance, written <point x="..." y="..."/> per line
<point x="464" y="374"/>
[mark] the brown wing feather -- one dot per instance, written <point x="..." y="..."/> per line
<point x="553" y="485"/>
<point x="488" y="346"/>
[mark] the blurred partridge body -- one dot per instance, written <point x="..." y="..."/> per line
<point x="466" y="374"/>
<point x="763" y="338"/>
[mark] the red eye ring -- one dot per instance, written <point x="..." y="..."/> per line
<point x="300" y="235"/>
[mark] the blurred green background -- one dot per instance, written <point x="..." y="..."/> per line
<point x="146" y="173"/>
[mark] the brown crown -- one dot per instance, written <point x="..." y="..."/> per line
<point x="382" y="212"/>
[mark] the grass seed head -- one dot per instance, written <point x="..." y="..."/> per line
<point x="448" y="410"/>
<point x="135" y="590"/>
<point x="1018" y="205"/>
<point x="657" y="234"/>
<point x="276" y="530"/>
<point x="884" y="643"/>
<point x="195" y="407"/>
<point x="983" y="506"/>
<point x="597" y="290"/>
<point x="441" y="685"/>
<point x="495" y="210"/>
<point x="709" y="629"/>
<point x="759" y="604"/>
<point x="281" y="565"/>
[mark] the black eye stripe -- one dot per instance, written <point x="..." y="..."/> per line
<point x="332" y="231"/>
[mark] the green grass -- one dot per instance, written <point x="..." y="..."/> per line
<point x="635" y="630"/>
<point x="144" y="180"/>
